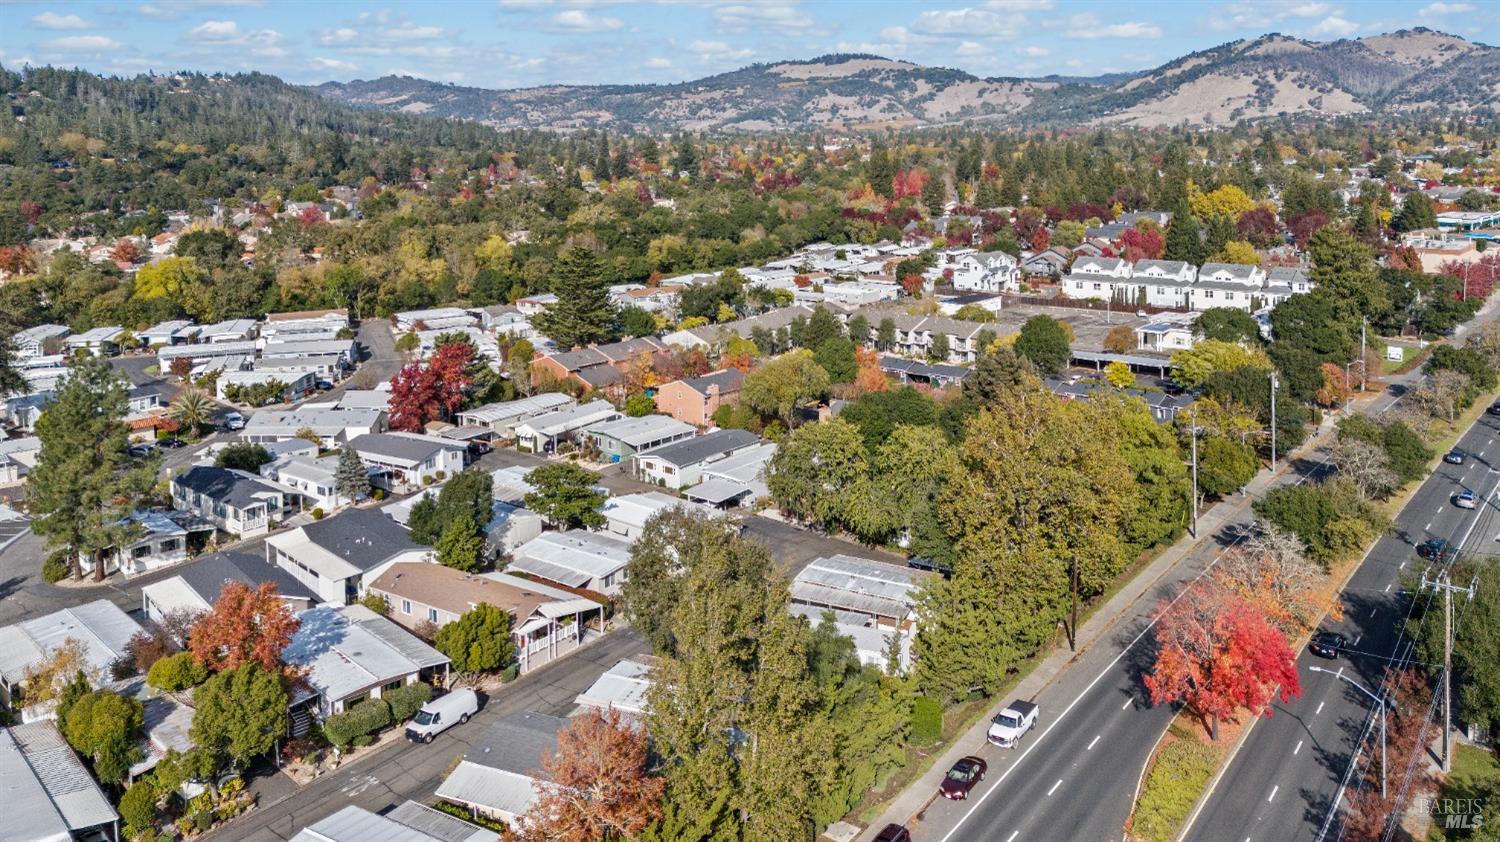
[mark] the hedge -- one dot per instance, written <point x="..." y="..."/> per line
<point x="1180" y="775"/>
<point x="926" y="721"/>
<point x="367" y="717"/>
<point x="407" y="700"/>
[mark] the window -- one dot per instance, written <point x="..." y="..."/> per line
<point x="405" y="606"/>
<point x="432" y="615"/>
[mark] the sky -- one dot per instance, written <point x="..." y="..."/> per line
<point x="519" y="43"/>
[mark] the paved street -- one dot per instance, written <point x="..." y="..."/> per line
<point x="1291" y="771"/>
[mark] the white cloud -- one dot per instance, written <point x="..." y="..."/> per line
<point x="1439" y="9"/>
<point x="658" y="63"/>
<point x="577" y="20"/>
<point x="52" y="20"/>
<point x="1019" y="5"/>
<point x="1334" y="25"/>
<point x="212" y="34"/>
<point x="1088" y="27"/>
<point x="322" y="63"/>
<point x="173" y="9"/>
<point x="709" y="51"/>
<point x="342" y="35"/>
<point x="408" y="31"/>
<point x="972" y="49"/>
<point x="84" y="42"/>
<point x="215" y="30"/>
<point x="1255" y="15"/>
<point x="776" y="16"/>
<point x="967" y="23"/>
<point x="1034" y="52"/>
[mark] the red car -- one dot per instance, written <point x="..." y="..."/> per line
<point x="962" y="777"/>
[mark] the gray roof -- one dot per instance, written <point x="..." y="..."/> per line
<point x="208" y="575"/>
<point x="694" y="450"/>
<point x="99" y="626"/>
<point x="515" y="743"/>
<point x="859" y="585"/>
<point x="235" y="488"/>
<point x="728" y="380"/>
<point x="437" y="824"/>
<point x="1169" y="266"/>
<point x="641" y="430"/>
<point x="356" y="824"/>
<point x="48" y="792"/>
<point x="622" y="687"/>
<point x="399" y="447"/>
<point x="349" y="648"/>
<point x="1235" y="270"/>
<point x="362" y="537"/>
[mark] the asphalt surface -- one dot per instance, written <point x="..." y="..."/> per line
<point x="1289" y="777"/>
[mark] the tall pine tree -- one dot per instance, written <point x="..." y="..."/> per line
<point x="1184" y="241"/>
<point x="583" y="312"/>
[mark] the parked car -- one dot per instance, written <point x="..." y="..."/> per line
<point x="1326" y="644"/>
<point x="234" y="421"/>
<point x="967" y="772"/>
<point x="323" y="385"/>
<point x="1465" y="499"/>
<point x="1434" y="548"/>
<point x="1494" y="408"/>
<point x="893" y="833"/>
<point x="917" y="562"/>
<point x="452" y="708"/>
<point x="140" y="451"/>
<point x="1009" y="725"/>
<point x="171" y="443"/>
<point x="1455" y="456"/>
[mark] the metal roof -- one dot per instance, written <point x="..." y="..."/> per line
<point x="346" y="650"/>
<point x="99" y="626"/>
<point x="622" y="687"/>
<point x="496" y="770"/>
<point x="492" y="412"/>
<point x="436" y="823"/>
<point x="717" y="491"/>
<point x="858" y="585"/>
<point x="570" y="419"/>
<point x="356" y="824"/>
<point x="401" y="447"/>
<point x="644" y="430"/>
<point x="572" y="558"/>
<point x="635" y="509"/>
<point x="719" y="443"/>
<point x="47" y="791"/>
<point x="493" y="790"/>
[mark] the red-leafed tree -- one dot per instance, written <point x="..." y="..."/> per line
<point x="1480" y="277"/>
<point x="243" y="626"/>
<point x="311" y="216"/>
<point x="31" y="212"/>
<point x="16" y="260"/>
<point x="125" y="251"/>
<point x="596" y="784"/>
<point x="1303" y="227"/>
<point x="908" y="183"/>
<point x="1258" y="226"/>
<point x="1040" y="240"/>
<point x="1369" y="813"/>
<point x="432" y="391"/>
<point x="1138" y="244"/>
<point x="1217" y="652"/>
<point x="912" y="284"/>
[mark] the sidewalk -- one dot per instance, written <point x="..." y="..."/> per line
<point x="1125" y="604"/>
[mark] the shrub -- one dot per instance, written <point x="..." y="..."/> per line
<point x="377" y="495"/>
<point x="509" y="674"/>
<point x="406" y="701"/>
<point x="317" y="513"/>
<point x="55" y="568"/>
<point x="138" y="807"/>
<point x="176" y="672"/>
<point x="441" y="475"/>
<point x="1181" y="772"/>
<point x="367" y="717"/>
<point x="926" y="721"/>
<point x="363" y="740"/>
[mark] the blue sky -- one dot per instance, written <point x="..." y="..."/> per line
<point x="513" y="43"/>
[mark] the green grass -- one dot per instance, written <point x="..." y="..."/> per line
<point x="1408" y="353"/>
<point x="1180" y="774"/>
<point x="1476" y="774"/>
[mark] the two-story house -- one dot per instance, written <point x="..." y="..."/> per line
<point x="239" y="504"/>
<point x="401" y="460"/>
<point x="336" y="558"/>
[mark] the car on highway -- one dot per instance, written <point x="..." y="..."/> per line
<point x="1465" y="499"/>
<point x="893" y="833"/>
<point x="1434" y="548"/>
<point x="1326" y="644"/>
<point x="967" y="772"/>
<point x="1009" y="725"/>
<point x="1455" y="456"/>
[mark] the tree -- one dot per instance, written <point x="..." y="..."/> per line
<point x="431" y="392"/>
<point x="812" y="472"/>
<point x="49" y="679"/>
<point x="104" y="727"/>
<point x="1237" y="251"/>
<point x="1416" y="213"/>
<point x="1184" y="240"/>
<point x="244" y="626"/>
<point x="85" y="483"/>
<point x="1192" y="367"/>
<point x="783" y="385"/>
<point x="461" y="544"/>
<point x="1217" y="653"/>
<point x="1226" y="324"/>
<point x="583" y="313"/>
<point x="1119" y="375"/>
<point x="176" y="672"/>
<point x="997" y="373"/>
<point x="1270" y="569"/>
<point x="1366" y="465"/>
<point x="939" y="349"/>
<point x="674" y="540"/>
<point x="885" y="334"/>
<point x="1119" y="340"/>
<point x="243" y="456"/>
<point x="239" y="714"/>
<point x="597" y="783"/>
<point x="1225" y="465"/>
<point x="192" y="408"/>
<point x="1258" y="227"/>
<point x="836" y="356"/>
<point x="1345" y="268"/>
<point x="564" y="494"/>
<point x="879" y="413"/>
<point x="637" y="322"/>
<point x="639" y="404"/>
<point x="1046" y="343"/>
<point x="408" y="343"/>
<point x="351" y="479"/>
<point x="479" y="641"/>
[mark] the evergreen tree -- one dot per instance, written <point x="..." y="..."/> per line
<point x="933" y="193"/>
<point x="461" y="545"/>
<point x="85" y="483"/>
<point x="239" y="714"/>
<point x="351" y="480"/>
<point x="1184" y="240"/>
<point x="881" y="170"/>
<point x="1221" y="231"/>
<point x="1416" y="213"/>
<point x="583" y="313"/>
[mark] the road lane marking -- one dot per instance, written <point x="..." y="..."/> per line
<point x="1440" y="510"/>
<point x="1127" y="704"/>
<point x="1055" y="786"/>
<point x="1429" y="526"/>
<point x="1298" y="748"/>
<point x="1273" y="793"/>
<point x="1372" y="610"/>
<point x="1356" y="639"/>
<point x="1091" y="743"/>
<point x="1402" y="567"/>
<point x="1340" y="673"/>
<point x="1012" y="836"/>
<point x="1319" y="710"/>
<point x="1387" y="589"/>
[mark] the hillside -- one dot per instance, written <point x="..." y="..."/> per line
<point x="1241" y="80"/>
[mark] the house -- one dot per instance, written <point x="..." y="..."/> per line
<point x="623" y="687"/>
<point x="1051" y="261"/>
<point x="680" y="465"/>
<point x="18" y="457"/>
<point x="313" y="481"/>
<point x="230" y="355"/>
<point x="293" y="383"/>
<point x="333" y="427"/>
<point x="169" y="332"/>
<point x="100" y="342"/>
<point x="336" y="558"/>
<point x="346" y="351"/>
<point x="735" y="479"/>
<point x="1164" y="337"/>
<point x="543" y="627"/>
<point x="409" y="459"/>
<point x="50" y="795"/>
<point x="410" y="822"/>
<point x="238" y="503"/>
<point x="625" y="516"/>
<point x="196" y="587"/>
<point x="166" y="726"/>
<point x="162" y="540"/>
<point x="502" y="418"/>
<point x="597" y="367"/>
<point x="303" y="325"/>
<point x="694" y="400"/>
<point x="531" y="305"/>
<point x="936" y="375"/>
<point x="872" y="645"/>
<point x="39" y="341"/>
<point x="349" y="653"/>
<point x="1164" y="407"/>
<point x="974" y="271"/>
<point x="444" y="827"/>
<point x="620" y="439"/>
<point x="229" y="330"/>
<point x="510" y="524"/>
<point x="583" y="561"/>
<point x="494" y="778"/>
<point x="101" y="629"/>
<point x="436" y="318"/>
<point x="506" y="320"/>
<point x="884" y="593"/>
<point x="1106" y="267"/>
<point x="543" y="433"/>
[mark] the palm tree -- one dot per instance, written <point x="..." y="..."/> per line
<point x="192" y="408"/>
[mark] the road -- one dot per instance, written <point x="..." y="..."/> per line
<point x="401" y="770"/>
<point x="1289" y="775"/>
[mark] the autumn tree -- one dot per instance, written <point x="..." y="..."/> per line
<point x="1217" y="652"/>
<point x="244" y="626"/>
<point x="421" y="393"/>
<point x="597" y="784"/>
<point x="43" y="681"/>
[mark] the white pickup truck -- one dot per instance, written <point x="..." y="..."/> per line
<point x="1008" y="726"/>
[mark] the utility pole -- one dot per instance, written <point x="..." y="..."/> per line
<point x="1364" y="367"/>
<point x="1073" y="626"/>
<point x="1273" y="421"/>
<point x="1448" y="588"/>
<point x="1193" y="415"/>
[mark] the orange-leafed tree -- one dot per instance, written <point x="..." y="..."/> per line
<point x="867" y="375"/>
<point x="597" y="786"/>
<point x="1217" y="652"/>
<point x="244" y="625"/>
<point x="125" y="251"/>
<point x="1336" y="387"/>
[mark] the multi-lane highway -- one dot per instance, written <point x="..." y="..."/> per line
<point x="1291" y="772"/>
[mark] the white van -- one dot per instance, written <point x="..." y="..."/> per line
<point x="442" y="713"/>
<point x="234" y="421"/>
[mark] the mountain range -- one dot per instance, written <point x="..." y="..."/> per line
<point x="1244" y="80"/>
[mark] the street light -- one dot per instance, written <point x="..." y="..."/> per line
<point x="1273" y="420"/>
<point x="1194" y="429"/>
<point x="1379" y="701"/>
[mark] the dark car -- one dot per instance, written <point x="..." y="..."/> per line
<point x="140" y="451"/>
<point x="931" y="565"/>
<point x="962" y="777"/>
<point x="893" y="833"/>
<point x="170" y="443"/>
<point x="323" y="385"/>
<point x="1434" y="549"/>
<point x="1455" y="456"/>
<point x="1326" y="644"/>
<point x="1494" y="408"/>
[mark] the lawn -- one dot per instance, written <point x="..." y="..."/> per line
<point x="1476" y="774"/>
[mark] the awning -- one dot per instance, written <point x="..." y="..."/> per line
<point x="717" y="491"/>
